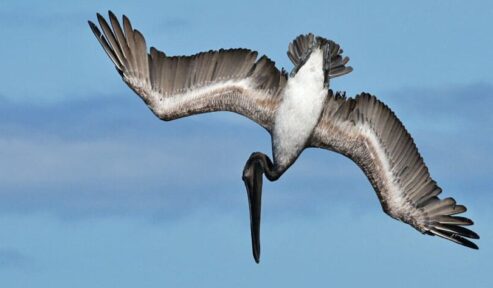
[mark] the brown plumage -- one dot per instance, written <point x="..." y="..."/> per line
<point x="367" y="131"/>
<point x="361" y="128"/>
<point x="156" y="77"/>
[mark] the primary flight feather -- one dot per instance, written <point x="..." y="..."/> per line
<point x="298" y="110"/>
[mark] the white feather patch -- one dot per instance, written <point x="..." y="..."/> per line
<point x="394" y="194"/>
<point x="299" y="110"/>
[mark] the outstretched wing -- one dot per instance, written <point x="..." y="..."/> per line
<point x="367" y="131"/>
<point x="173" y="87"/>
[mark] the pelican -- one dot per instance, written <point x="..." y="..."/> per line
<point x="298" y="110"/>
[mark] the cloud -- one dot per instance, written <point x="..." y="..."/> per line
<point x="104" y="157"/>
<point x="453" y="109"/>
<point x="452" y="128"/>
<point x="12" y="258"/>
<point x="111" y="156"/>
<point x="175" y="23"/>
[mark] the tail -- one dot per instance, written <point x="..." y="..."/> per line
<point x="334" y="62"/>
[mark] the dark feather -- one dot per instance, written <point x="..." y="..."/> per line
<point x="155" y="76"/>
<point x="454" y="238"/>
<point x="392" y="163"/>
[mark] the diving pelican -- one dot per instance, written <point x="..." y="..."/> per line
<point x="298" y="110"/>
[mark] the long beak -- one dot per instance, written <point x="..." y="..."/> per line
<point x="252" y="176"/>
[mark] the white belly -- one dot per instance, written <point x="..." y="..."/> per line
<point x="299" y="110"/>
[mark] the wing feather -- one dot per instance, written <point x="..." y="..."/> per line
<point x="173" y="87"/>
<point x="106" y="46"/>
<point x="120" y="37"/>
<point x="129" y="38"/>
<point x="381" y="146"/>
<point x="108" y="33"/>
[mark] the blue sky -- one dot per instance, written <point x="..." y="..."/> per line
<point x="97" y="192"/>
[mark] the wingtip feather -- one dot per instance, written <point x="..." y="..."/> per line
<point x="454" y="238"/>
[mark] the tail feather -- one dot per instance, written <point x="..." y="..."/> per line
<point x="301" y="45"/>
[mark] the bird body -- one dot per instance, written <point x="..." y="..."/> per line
<point x="299" y="111"/>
